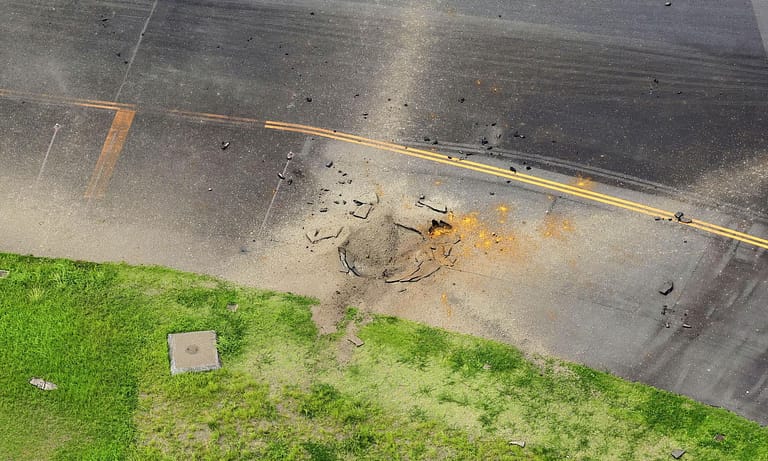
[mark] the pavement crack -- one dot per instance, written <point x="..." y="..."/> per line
<point x="135" y="51"/>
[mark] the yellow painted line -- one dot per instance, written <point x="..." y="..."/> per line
<point x="215" y="117"/>
<point x="45" y="98"/>
<point x="517" y="176"/>
<point x="532" y="180"/>
<point x="110" y="152"/>
<point x="125" y="113"/>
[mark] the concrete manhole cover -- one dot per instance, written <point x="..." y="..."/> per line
<point x="193" y="351"/>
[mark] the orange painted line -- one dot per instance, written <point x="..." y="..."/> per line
<point x="45" y="98"/>
<point x="110" y="152"/>
<point x="532" y="180"/>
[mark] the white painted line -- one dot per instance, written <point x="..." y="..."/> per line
<point x="304" y="152"/>
<point x="56" y="129"/>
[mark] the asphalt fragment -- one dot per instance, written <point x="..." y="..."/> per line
<point x="362" y="211"/>
<point x="667" y="287"/>
<point x="432" y="205"/>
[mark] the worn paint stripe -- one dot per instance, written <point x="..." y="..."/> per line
<point x="49" y="99"/>
<point x="110" y="152"/>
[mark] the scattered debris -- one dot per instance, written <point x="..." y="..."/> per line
<point x="362" y="211"/>
<point x="668" y="4"/>
<point x="224" y="145"/>
<point x="210" y="189"/>
<point x="323" y="210"/>
<point x="232" y="307"/>
<point x="667" y="325"/>
<point x="685" y="325"/>
<point x="43" y="384"/>
<point x="680" y="216"/>
<point x="487" y="366"/>
<point x="4" y="273"/>
<point x="719" y="437"/>
<point x="281" y="176"/>
<point x="309" y="99"/>
<point x="432" y="205"/>
<point x="423" y="270"/>
<point x="356" y="341"/>
<point x="519" y="443"/>
<point x="323" y="234"/>
<point x="678" y="453"/>
<point x="667" y="287"/>
<point x="512" y="169"/>
<point x="329" y="164"/>
<point x="289" y="156"/>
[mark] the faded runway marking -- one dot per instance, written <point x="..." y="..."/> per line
<point x="110" y="152"/>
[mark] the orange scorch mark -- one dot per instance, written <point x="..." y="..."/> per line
<point x="555" y="226"/>
<point x="446" y="306"/>
<point x="583" y="182"/>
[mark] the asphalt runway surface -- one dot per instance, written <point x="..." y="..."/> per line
<point x="112" y="119"/>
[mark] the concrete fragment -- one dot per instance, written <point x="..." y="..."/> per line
<point x="371" y="199"/>
<point x="432" y="205"/>
<point x="362" y="211"/>
<point x="346" y="264"/>
<point x="406" y="227"/>
<point x="193" y="351"/>
<point x="678" y="453"/>
<point x="4" y="273"/>
<point x="667" y="287"/>
<point x="356" y="341"/>
<point x="224" y="145"/>
<point x="323" y="234"/>
<point x="329" y="164"/>
<point x="232" y="307"/>
<point x="519" y="443"/>
<point x="43" y="384"/>
<point x="685" y="325"/>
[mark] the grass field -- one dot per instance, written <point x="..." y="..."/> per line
<point x="284" y="392"/>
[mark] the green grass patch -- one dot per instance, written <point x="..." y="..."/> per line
<point x="412" y="392"/>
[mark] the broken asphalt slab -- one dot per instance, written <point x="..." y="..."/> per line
<point x="318" y="235"/>
<point x="432" y="205"/>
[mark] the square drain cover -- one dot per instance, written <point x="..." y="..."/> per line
<point x="193" y="351"/>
